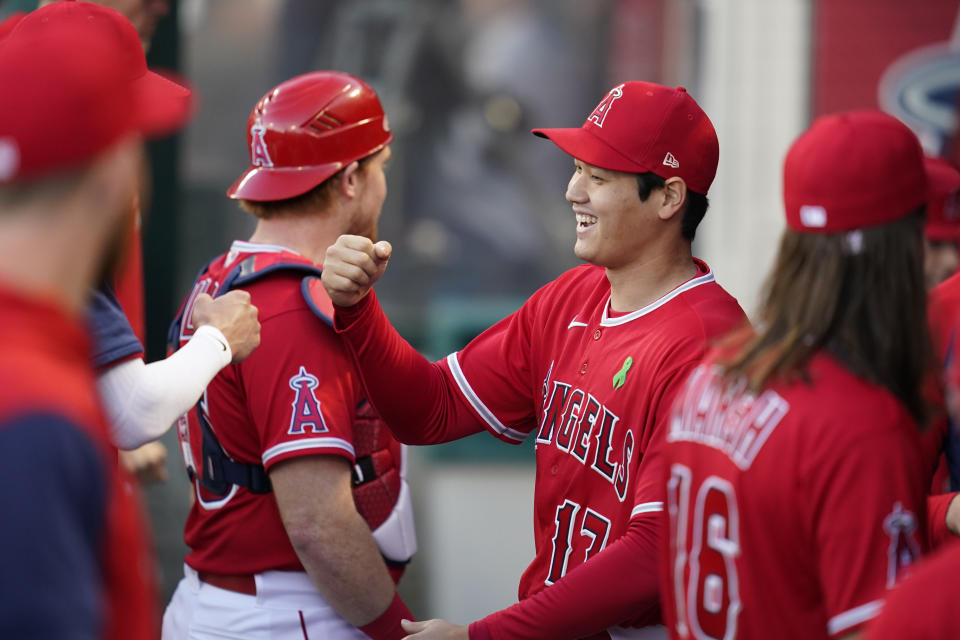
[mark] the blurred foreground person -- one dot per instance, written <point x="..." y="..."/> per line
<point x="70" y="150"/>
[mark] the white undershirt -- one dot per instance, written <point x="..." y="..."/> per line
<point x="143" y="400"/>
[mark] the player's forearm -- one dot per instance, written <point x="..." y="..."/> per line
<point x="144" y="400"/>
<point x="620" y="584"/>
<point x="343" y="560"/>
<point x="410" y="393"/>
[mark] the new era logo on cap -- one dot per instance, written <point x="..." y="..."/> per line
<point x="670" y="161"/>
<point x="9" y="158"/>
<point x="813" y="216"/>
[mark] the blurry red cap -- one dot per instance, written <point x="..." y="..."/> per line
<point x="852" y="170"/>
<point x="640" y="127"/>
<point x="75" y="82"/>
<point x="943" y="200"/>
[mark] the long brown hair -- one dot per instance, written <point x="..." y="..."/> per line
<point x="859" y="295"/>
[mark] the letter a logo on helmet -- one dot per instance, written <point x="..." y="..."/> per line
<point x="259" y="156"/>
<point x="600" y="112"/>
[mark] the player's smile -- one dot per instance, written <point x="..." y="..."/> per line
<point x="584" y="221"/>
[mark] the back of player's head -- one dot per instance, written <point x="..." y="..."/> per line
<point x="76" y="83"/>
<point x="642" y="127"/>
<point x="848" y="277"/>
<point x="305" y="130"/>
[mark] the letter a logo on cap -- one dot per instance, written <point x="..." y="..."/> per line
<point x="600" y="112"/>
<point x="259" y="156"/>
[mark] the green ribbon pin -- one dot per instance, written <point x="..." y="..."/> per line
<point x="621" y="376"/>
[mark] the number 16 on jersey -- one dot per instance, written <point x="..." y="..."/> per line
<point x="704" y="570"/>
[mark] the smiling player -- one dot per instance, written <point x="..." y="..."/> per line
<point x="588" y="366"/>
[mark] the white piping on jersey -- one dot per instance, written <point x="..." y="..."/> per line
<point x="853" y="617"/>
<point x="307" y="443"/>
<point x="214" y="504"/>
<point x="647" y="507"/>
<point x="468" y="392"/>
<point x="574" y="323"/>
<point x="242" y="246"/>
<point x="606" y="321"/>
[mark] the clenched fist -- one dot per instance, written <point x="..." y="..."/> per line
<point x="351" y="267"/>
<point x="234" y="316"/>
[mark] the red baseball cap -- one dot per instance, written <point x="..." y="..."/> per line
<point x="852" y="170"/>
<point x="943" y="203"/>
<point x="76" y="82"/>
<point x="640" y="127"/>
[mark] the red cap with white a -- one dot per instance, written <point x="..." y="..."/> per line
<point x="76" y="82"/>
<point x="642" y="127"/>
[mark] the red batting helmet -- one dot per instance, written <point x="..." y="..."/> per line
<point x="305" y="130"/>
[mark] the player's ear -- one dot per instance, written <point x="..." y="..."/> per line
<point x="674" y="198"/>
<point x="350" y="180"/>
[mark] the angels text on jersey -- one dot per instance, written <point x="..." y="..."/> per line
<point x="578" y="424"/>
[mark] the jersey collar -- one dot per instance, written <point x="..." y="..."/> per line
<point x="607" y="321"/>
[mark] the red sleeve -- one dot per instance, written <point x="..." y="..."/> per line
<point x="649" y="492"/>
<point x="415" y="397"/>
<point x="617" y="585"/>
<point x="924" y="605"/>
<point x="494" y="372"/>
<point x="938" y="533"/>
<point x="867" y="533"/>
<point x="387" y="625"/>
<point x="301" y="394"/>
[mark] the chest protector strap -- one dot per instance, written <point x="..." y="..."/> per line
<point x="218" y="472"/>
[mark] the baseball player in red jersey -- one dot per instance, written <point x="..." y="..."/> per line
<point x="587" y="367"/>
<point x="795" y="481"/>
<point x="75" y="559"/>
<point x="940" y="442"/>
<point x="924" y="605"/>
<point x="301" y="501"/>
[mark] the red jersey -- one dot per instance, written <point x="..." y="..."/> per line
<point x="591" y="386"/>
<point x="76" y="551"/>
<point x="790" y="512"/>
<point x="296" y="395"/>
<point x="924" y="605"/>
<point x="941" y="442"/>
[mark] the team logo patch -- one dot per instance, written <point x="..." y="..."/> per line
<point x="901" y="526"/>
<point x="620" y="378"/>
<point x="306" y="407"/>
<point x="259" y="156"/>
<point x="599" y="114"/>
